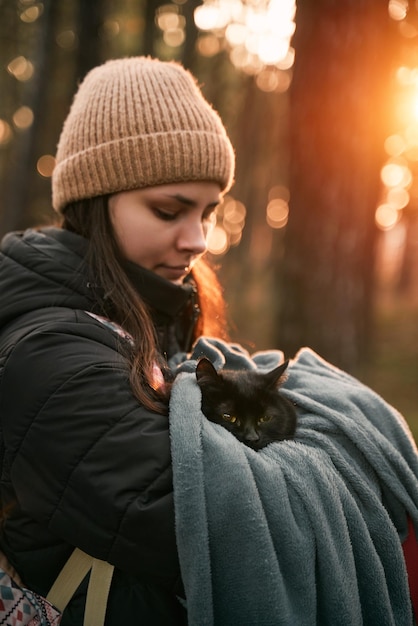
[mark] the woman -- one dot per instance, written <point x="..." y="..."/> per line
<point x="90" y="314"/>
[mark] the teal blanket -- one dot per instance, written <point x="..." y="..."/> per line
<point x="304" y="532"/>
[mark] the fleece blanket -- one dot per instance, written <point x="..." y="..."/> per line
<point x="304" y="532"/>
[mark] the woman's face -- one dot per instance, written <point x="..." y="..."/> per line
<point x="165" y="228"/>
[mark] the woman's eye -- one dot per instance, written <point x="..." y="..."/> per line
<point x="229" y="418"/>
<point x="166" y="216"/>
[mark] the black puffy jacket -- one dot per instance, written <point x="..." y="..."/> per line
<point x="82" y="462"/>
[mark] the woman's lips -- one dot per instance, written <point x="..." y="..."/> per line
<point x="172" y="272"/>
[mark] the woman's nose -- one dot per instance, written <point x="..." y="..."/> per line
<point x="193" y="237"/>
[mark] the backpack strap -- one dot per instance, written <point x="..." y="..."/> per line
<point x="69" y="579"/>
<point x="97" y="593"/>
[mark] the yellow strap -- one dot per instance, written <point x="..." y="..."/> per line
<point x="97" y="593"/>
<point x="69" y="579"/>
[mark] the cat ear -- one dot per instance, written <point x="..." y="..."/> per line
<point x="275" y="377"/>
<point x="205" y="368"/>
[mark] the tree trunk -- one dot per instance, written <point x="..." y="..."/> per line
<point x="337" y="130"/>
<point x="90" y="20"/>
<point x="188" y="55"/>
<point x="150" y="32"/>
<point x="23" y="154"/>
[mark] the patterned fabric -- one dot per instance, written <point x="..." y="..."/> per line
<point x="112" y="325"/>
<point x="21" y="607"/>
<point x="158" y="378"/>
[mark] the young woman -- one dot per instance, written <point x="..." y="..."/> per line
<point x="90" y="314"/>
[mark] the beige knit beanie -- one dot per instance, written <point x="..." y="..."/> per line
<point x="139" y="122"/>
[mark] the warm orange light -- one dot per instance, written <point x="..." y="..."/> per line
<point x="272" y="79"/>
<point x="218" y="241"/>
<point x="23" y="117"/>
<point x="5" y="133"/>
<point x="174" y="37"/>
<point x="169" y="20"/>
<point x="234" y="211"/>
<point x="277" y="213"/>
<point x="233" y="216"/>
<point x="45" y="165"/>
<point x="407" y="30"/>
<point x="21" y="68"/>
<point x="398" y="9"/>
<point x="208" y="45"/>
<point x="32" y="13"/>
<point x="396" y="175"/>
<point x="241" y="58"/>
<point x="412" y="153"/>
<point x="258" y="33"/>
<point x="398" y="197"/>
<point x="386" y="216"/>
<point x="211" y="17"/>
<point x="279" y="191"/>
<point x="395" y="145"/>
<point x="236" y="34"/>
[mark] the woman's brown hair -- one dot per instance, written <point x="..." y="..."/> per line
<point x="119" y="300"/>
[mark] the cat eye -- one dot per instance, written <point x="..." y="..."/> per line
<point x="229" y="418"/>
<point x="264" y="419"/>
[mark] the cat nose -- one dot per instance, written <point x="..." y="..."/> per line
<point x="251" y="434"/>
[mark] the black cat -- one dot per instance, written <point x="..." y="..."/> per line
<point x="247" y="403"/>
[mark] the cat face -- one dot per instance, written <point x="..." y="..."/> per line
<point x="247" y="403"/>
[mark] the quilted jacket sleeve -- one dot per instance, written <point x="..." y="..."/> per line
<point x="86" y="460"/>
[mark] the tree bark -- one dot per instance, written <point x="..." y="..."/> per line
<point x="23" y="155"/>
<point x="150" y="32"/>
<point x="188" y="54"/>
<point x="337" y="129"/>
<point x="90" y="20"/>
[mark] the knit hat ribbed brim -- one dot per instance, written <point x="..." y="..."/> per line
<point x="139" y="122"/>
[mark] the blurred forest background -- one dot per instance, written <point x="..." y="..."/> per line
<point x="317" y="243"/>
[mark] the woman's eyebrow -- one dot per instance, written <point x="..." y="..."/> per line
<point x="189" y="201"/>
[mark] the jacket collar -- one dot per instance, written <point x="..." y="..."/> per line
<point x="158" y="293"/>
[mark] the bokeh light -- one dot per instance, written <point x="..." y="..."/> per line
<point x="21" y="68"/>
<point x="395" y="145"/>
<point x="110" y="29"/>
<point x="398" y="9"/>
<point x="396" y="174"/>
<point x="277" y="213"/>
<point x="230" y="222"/>
<point x="398" y="197"/>
<point x="218" y="241"/>
<point x="6" y="133"/>
<point x="386" y="216"/>
<point x="23" y="117"/>
<point x="208" y="45"/>
<point x="172" y="24"/>
<point x="257" y="35"/>
<point x="45" y="165"/>
<point x="66" y="39"/>
<point x="32" y="13"/>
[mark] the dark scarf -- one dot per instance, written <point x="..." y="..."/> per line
<point x="173" y="308"/>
